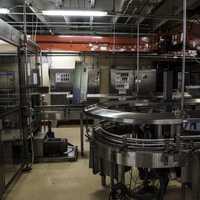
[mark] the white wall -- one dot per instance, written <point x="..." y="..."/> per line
<point x="64" y="62"/>
<point x="45" y="74"/>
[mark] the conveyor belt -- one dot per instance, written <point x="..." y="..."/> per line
<point x="132" y="117"/>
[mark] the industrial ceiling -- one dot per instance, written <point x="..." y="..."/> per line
<point x="122" y="19"/>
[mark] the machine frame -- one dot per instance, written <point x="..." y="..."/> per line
<point x="14" y="37"/>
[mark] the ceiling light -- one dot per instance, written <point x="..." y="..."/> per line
<point x="97" y="37"/>
<point x="84" y="13"/>
<point x="4" y="11"/>
<point x="66" y="36"/>
<point x="69" y="36"/>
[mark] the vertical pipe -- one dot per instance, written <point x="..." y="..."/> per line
<point x="121" y="174"/>
<point x="172" y="130"/>
<point x="82" y="132"/>
<point x="183" y="77"/>
<point x="25" y="46"/>
<point x="114" y="6"/>
<point x="41" y="72"/>
<point x="114" y="37"/>
<point x="112" y="169"/>
<point x="138" y="59"/>
<point x="25" y="102"/>
<point x="103" y="180"/>
<point x="184" y="53"/>
<point x="160" y="136"/>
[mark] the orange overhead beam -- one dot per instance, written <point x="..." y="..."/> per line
<point x="65" y="47"/>
<point x="91" y="39"/>
<point x="78" y="43"/>
<point x="93" y="43"/>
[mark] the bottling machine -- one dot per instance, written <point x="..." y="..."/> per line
<point x="150" y="136"/>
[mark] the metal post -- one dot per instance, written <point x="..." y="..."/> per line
<point x="25" y="61"/>
<point x="103" y="175"/>
<point x="121" y="174"/>
<point x="26" y="101"/>
<point x="183" y="191"/>
<point x="82" y="133"/>
<point x="167" y="85"/>
<point x="184" y="53"/>
<point x="25" y="32"/>
<point x="103" y="180"/>
<point x="2" y="185"/>
<point x="112" y="169"/>
<point x="196" y="176"/>
<point x="160" y="136"/>
<point x="178" y="134"/>
<point x="25" y="129"/>
<point x="172" y="131"/>
<point x="138" y="58"/>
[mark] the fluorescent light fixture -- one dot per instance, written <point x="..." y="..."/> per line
<point x="4" y="11"/>
<point x="65" y="36"/>
<point x="81" y="13"/>
<point x="74" y="36"/>
<point x="97" y="37"/>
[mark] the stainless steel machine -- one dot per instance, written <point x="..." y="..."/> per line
<point x="141" y="134"/>
<point x="61" y="81"/>
<point x="123" y="81"/>
<point x="149" y="137"/>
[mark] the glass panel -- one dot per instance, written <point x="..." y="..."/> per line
<point x="1" y="165"/>
<point x="9" y="81"/>
<point x="11" y="141"/>
<point x="12" y="145"/>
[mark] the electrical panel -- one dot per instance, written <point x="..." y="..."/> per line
<point x="122" y="81"/>
<point x="63" y="77"/>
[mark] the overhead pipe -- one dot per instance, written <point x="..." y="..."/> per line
<point x="170" y="18"/>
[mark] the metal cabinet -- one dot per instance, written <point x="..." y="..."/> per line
<point x="147" y="80"/>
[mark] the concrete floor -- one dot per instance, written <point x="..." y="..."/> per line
<point x="65" y="181"/>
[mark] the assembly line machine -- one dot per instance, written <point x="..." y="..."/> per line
<point x="145" y="142"/>
<point x="150" y="136"/>
<point x="141" y="134"/>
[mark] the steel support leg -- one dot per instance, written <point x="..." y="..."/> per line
<point x="82" y="133"/>
<point x="103" y="180"/>
<point x="196" y="176"/>
<point x="121" y="174"/>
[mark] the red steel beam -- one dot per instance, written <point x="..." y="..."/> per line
<point x="93" y="43"/>
<point x="113" y="44"/>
